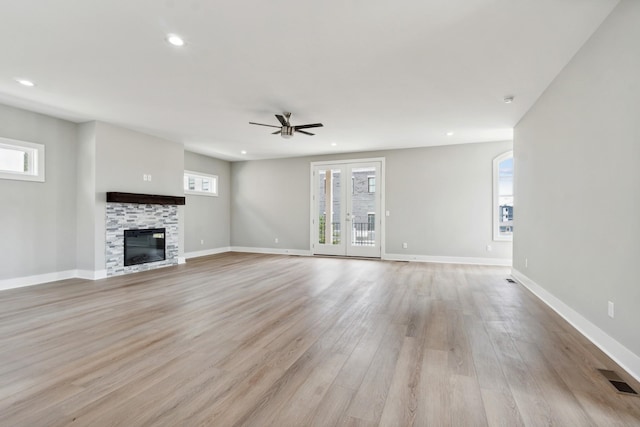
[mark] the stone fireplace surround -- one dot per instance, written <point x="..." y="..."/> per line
<point x="127" y="211"/>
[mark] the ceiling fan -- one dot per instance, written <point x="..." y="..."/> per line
<point x="286" y="130"/>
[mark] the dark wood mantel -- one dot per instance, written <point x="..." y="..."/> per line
<point x="144" y="199"/>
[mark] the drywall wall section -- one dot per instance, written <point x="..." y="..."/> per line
<point x="38" y="219"/>
<point x="207" y="219"/>
<point x="439" y="199"/>
<point x="577" y="233"/>
<point x="123" y="158"/>
<point x="86" y="197"/>
<point x="270" y="199"/>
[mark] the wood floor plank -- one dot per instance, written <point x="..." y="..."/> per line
<point x="402" y="400"/>
<point x="467" y="408"/>
<point x="500" y="406"/>
<point x="370" y="399"/>
<point x="434" y="399"/>
<point x="532" y="404"/>
<point x="242" y="339"/>
<point x="566" y="408"/>
<point x="331" y="409"/>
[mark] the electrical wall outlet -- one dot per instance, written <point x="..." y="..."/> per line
<point x="489" y="248"/>
<point x="526" y="262"/>
<point x="405" y="246"/>
<point x="276" y="240"/>
<point x="202" y="241"/>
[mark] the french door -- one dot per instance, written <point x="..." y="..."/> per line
<point x="346" y="206"/>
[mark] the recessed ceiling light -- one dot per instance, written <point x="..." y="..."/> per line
<point x="508" y="99"/>
<point x="25" y="82"/>
<point x="243" y="152"/>
<point x="175" y="40"/>
<point x="333" y="144"/>
<point x="449" y="133"/>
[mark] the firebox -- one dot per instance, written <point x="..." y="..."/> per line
<point x="143" y="246"/>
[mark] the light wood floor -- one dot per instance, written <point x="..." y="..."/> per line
<point x="262" y="340"/>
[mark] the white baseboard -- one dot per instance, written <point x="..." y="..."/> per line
<point x="206" y="252"/>
<point x="274" y="251"/>
<point x="37" y="279"/>
<point x="91" y="275"/>
<point x="624" y="357"/>
<point x="390" y="257"/>
<point x="505" y="262"/>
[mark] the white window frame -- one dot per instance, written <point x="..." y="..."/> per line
<point x="36" y="160"/>
<point x="496" y="197"/>
<point x="214" y="183"/>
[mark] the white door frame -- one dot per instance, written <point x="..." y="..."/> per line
<point x="381" y="186"/>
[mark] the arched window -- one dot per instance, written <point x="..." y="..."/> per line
<point x="503" y="197"/>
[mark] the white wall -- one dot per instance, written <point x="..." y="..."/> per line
<point x="35" y="217"/>
<point x="577" y="187"/>
<point x="208" y="218"/>
<point x="440" y="200"/>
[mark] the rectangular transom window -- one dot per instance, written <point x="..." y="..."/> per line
<point x="21" y="160"/>
<point x="200" y="184"/>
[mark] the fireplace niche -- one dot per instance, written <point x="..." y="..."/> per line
<point x="144" y="246"/>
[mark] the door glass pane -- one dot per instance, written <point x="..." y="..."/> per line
<point x="505" y="197"/>
<point x="328" y="190"/>
<point x="363" y="206"/>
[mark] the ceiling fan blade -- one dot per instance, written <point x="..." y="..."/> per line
<point x="306" y="133"/>
<point x="276" y="132"/>
<point x="282" y="120"/>
<point x="314" y="125"/>
<point x="261" y="124"/>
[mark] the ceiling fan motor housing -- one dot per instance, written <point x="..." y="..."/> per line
<point x="287" y="131"/>
<point x="285" y="128"/>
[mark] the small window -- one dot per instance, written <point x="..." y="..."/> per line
<point x="371" y="182"/>
<point x="503" y="197"/>
<point x="21" y="160"/>
<point x="200" y="184"/>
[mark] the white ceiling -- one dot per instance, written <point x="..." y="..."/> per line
<point x="378" y="73"/>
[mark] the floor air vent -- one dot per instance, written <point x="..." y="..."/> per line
<point x="511" y="281"/>
<point x="620" y="385"/>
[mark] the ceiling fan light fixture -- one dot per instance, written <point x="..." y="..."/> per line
<point x="287" y="132"/>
